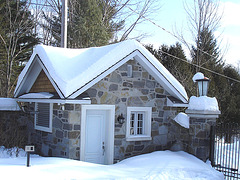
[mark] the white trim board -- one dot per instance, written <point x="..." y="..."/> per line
<point x="61" y="101"/>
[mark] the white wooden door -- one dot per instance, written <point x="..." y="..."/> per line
<point x="95" y="136"/>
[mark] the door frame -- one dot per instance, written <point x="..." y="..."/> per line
<point x="109" y="130"/>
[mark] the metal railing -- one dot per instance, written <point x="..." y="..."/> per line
<point x="224" y="152"/>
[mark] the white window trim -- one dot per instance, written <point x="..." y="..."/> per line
<point x="147" y="124"/>
<point x="41" y="128"/>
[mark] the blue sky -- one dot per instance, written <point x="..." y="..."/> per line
<point x="172" y="15"/>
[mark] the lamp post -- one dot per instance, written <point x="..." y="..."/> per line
<point x="203" y="86"/>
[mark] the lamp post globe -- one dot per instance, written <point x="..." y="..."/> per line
<point x="203" y="86"/>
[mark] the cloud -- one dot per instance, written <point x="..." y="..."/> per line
<point x="232" y="56"/>
<point x="229" y="31"/>
<point x="231" y="13"/>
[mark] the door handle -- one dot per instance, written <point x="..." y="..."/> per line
<point x="103" y="147"/>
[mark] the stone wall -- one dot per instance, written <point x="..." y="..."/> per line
<point x="64" y="141"/>
<point x="199" y="132"/>
<point x="140" y="90"/>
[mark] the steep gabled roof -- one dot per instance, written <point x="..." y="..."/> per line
<point x="73" y="71"/>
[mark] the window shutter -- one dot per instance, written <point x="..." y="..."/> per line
<point x="42" y="118"/>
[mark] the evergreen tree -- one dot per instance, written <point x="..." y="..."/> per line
<point x="226" y="91"/>
<point x="181" y="70"/>
<point x="87" y="29"/>
<point x="16" y="42"/>
<point x="206" y="53"/>
<point x="90" y="23"/>
<point x="230" y="107"/>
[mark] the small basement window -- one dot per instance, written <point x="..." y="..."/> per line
<point x="138" y="123"/>
<point x="43" y="117"/>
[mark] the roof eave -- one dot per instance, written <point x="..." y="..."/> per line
<point x="57" y="101"/>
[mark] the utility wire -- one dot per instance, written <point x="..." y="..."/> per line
<point x="166" y="30"/>
<point x="200" y="66"/>
<point x="157" y="25"/>
<point x="189" y="43"/>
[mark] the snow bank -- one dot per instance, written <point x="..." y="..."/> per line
<point x="162" y="165"/>
<point x="12" y="152"/>
<point x="8" y="104"/>
<point x="182" y="119"/>
<point x="203" y="103"/>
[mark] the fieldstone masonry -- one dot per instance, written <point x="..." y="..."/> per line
<point x="140" y="90"/>
<point x="200" y="124"/>
<point x="64" y="141"/>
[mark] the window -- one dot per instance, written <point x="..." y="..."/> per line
<point x="138" y="123"/>
<point x="129" y="71"/>
<point x="43" y="117"/>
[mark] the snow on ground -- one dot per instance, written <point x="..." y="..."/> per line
<point x="12" y="152"/>
<point x="163" y="165"/>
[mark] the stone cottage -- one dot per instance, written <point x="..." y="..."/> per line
<point x="100" y="104"/>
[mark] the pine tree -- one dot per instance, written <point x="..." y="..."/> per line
<point x="16" y="42"/>
<point x="230" y="102"/>
<point x="226" y="91"/>
<point x="87" y="29"/>
<point x="90" y="23"/>
<point x="181" y="70"/>
<point x="206" y="53"/>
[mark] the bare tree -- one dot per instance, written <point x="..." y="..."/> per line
<point x="119" y="16"/>
<point x="43" y="12"/>
<point x="203" y="15"/>
<point x="135" y="13"/>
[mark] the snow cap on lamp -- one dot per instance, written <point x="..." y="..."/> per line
<point x="202" y="83"/>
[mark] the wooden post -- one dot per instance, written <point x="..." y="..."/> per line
<point x="212" y="144"/>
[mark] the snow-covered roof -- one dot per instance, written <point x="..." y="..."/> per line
<point x="73" y="71"/>
<point x="41" y="95"/>
<point x="8" y="104"/>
